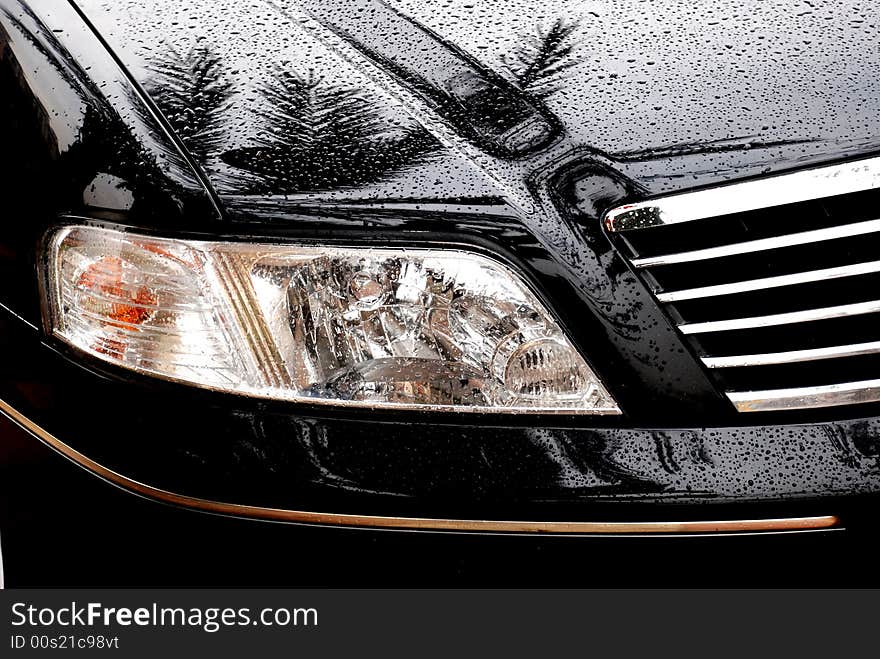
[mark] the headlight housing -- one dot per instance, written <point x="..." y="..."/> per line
<point x="441" y="329"/>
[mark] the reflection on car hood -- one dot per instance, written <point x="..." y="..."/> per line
<point x="421" y="98"/>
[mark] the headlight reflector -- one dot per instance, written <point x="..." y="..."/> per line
<point x="404" y="328"/>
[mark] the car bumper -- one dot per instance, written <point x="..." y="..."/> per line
<point x="63" y="527"/>
<point x="101" y="517"/>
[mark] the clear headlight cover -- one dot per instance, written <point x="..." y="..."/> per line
<point x="399" y="328"/>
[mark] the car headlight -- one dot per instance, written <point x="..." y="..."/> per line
<point x="440" y="329"/>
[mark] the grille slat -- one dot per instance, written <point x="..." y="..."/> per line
<point x="774" y="282"/>
<point x="847" y="393"/>
<point x="763" y="245"/>
<point x="764" y="283"/>
<point x="779" y="190"/>
<point x="790" y="318"/>
<point x="792" y="356"/>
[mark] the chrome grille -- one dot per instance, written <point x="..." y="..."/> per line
<point x="774" y="282"/>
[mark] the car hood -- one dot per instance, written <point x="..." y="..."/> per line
<point x="416" y="99"/>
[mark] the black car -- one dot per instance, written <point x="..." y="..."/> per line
<point x="404" y="292"/>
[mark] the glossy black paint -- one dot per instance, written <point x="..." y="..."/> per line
<point x="223" y="448"/>
<point x="563" y="251"/>
<point x="89" y="143"/>
<point x="84" y="142"/>
<point x="96" y="535"/>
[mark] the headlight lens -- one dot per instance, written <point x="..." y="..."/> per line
<point x="402" y="328"/>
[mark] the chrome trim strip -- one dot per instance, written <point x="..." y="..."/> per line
<point x="793" y="356"/>
<point x="415" y="523"/>
<point x="771" y="282"/>
<point x="763" y="244"/>
<point x="842" y="311"/>
<point x="847" y="393"/>
<point x="777" y="190"/>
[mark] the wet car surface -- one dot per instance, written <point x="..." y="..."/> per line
<point x="430" y="125"/>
